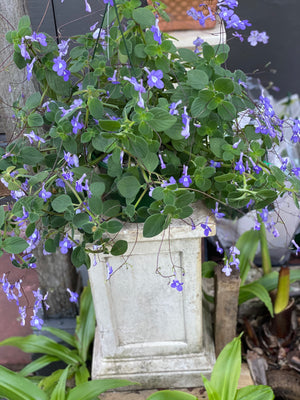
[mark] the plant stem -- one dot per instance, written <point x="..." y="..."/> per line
<point x="265" y="254"/>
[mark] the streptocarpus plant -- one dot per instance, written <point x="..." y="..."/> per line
<point x="126" y="127"/>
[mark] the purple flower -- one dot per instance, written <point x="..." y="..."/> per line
<point x="192" y="12"/>
<point x="257" y="37"/>
<point x="59" y="66"/>
<point x="79" y="186"/>
<point x="250" y="203"/>
<point x="296" y="131"/>
<point x="33" y="137"/>
<point x="76" y="124"/>
<point x="93" y="27"/>
<point x="239" y="166"/>
<point x="229" y="3"/>
<point x="65" y="245"/>
<point x="186" y="124"/>
<point x="73" y="296"/>
<point x="67" y="175"/>
<point x="216" y="212"/>
<point x="226" y="269"/>
<point x="113" y="79"/>
<point x="36" y="322"/>
<point x="257" y="226"/>
<point x="24" y="52"/>
<point x="206" y="228"/>
<point x="219" y="249"/>
<point x="185" y="180"/>
<point x="173" y="107"/>
<point x="38" y="37"/>
<point x="154" y="78"/>
<point x="156" y="31"/>
<point x="264" y="214"/>
<point x="151" y="188"/>
<point x="162" y="164"/>
<point x="215" y="164"/>
<point x="297" y="247"/>
<point x="29" y="68"/>
<point x="44" y="194"/>
<point x="87" y="6"/>
<point x="110" y="2"/>
<point x="172" y="181"/>
<point x="109" y="270"/>
<point x="256" y="168"/>
<point x="177" y="285"/>
<point x="22" y="312"/>
<point x="63" y="47"/>
<point x="71" y="159"/>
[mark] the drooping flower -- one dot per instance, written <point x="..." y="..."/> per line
<point x="44" y="194"/>
<point x="32" y="137"/>
<point x="173" y="107"/>
<point x="177" y="285"/>
<point x="71" y="159"/>
<point x="216" y="212"/>
<point x="205" y="227"/>
<point x="110" y="2"/>
<point x="29" y="68"/>
<point x="38" y="37"/>
<point x="264" y="214"/>
<point x="162" y="164"/>
<point x="219" y="249"/>
<point x="24" y="52"/>
<point x="156" y="31"/>
<point x="109" y="270"/>
<point x="73" y="296"/>
<point x="63" y="47"/>
<point x="239" y="166"/>
<point x="113" y="79"/>
<point x="185" y="179"/>
<point x="87" y="6"/>
<point x="76" y="124"/>
<point x="186" y="124"/>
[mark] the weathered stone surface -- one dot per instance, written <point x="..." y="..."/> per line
<point x="148" y="332"/>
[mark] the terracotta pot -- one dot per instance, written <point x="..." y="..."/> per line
<point x="179" y="20"/>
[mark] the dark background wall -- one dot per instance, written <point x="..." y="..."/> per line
<point x="281" y="20"/>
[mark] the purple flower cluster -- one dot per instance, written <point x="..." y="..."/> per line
<point x="296" y="131"/>
<point x="76" y="124"/>
<point x="177" y="285"/>
<point x="73" y="296"/>
<point x="200" y="16"/>
<point x="155" y="78"/>
<point x="40" y="300"/>
<point x="257" y="37"/>
<point x="186" y="124"/>
<point x="65" y="245"/>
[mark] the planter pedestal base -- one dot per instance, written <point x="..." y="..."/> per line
<point x="147" y="331"/>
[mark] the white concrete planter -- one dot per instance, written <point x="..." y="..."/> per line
<point x="147" y="331"/>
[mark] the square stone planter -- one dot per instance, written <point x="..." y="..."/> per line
<point x="147" y="331"/>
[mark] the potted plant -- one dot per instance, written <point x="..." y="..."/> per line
<point x="126" y="129"/>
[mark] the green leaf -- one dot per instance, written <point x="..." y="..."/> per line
<point x="96" y="107"/>
<point x="224" y="85"/>
<point x="90" y="390"/>
<point x="113" y="226"/>
<point x="95" y="205"/>
<point x="109" y="125"/>
<point x="79" y="256"/>
<point x="128" y="186"/>
<point x="15" y="387"/>
<point x="2" y="216"/>
<point x="154" y="225"/>
<point x="24" y="22"/>
<point x="82" y="375"/>
<point x="37" y="364"/>
<point x="197" y="79"/>
<point x="119" y="248"/>
<point x="61" y="203"/>
<point x="33" y="101"/>
<point x="247" y="244"/>
<point x="162" y="120"/>
<point x="59" y="392"/>
<point x="258" y="291"/>
<point x="253" y="392"/>
<point x="14" y="245"/>
<point x="39" y="177"/>
<point x="85" y="326"/>
<point x="208" y="269"/>
<point x="50" y="246"/>
<point x="188" y="55"/>
<point x="61" y="334"/>
<point x="171" y="395"/>
<point x="31" y="155"/>
<point x="211" y="391"/>
<point x="144" y="17"/>
<point x="227" y="111"/>
<point x="224" y="177"/>
<point x="208" y="51"/>
<point x="216" y="146"/>
<point x="35" y="119"/>
<point x="57" y="83"/>
<point x="80" y="219"/>
<point x="44" y="345"/>
<point x="227" y="370"/>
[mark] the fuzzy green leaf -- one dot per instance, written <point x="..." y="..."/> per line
<point x="14" y="245"/>
<point x="154" y="225"/>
